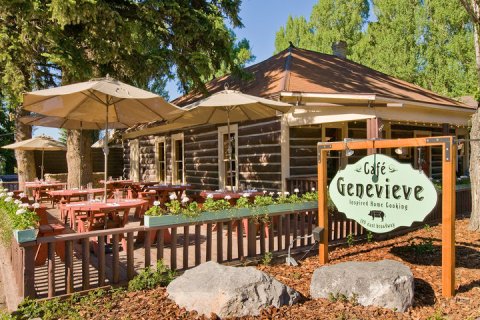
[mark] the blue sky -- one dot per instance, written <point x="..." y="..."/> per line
<point x="261" y="20"/>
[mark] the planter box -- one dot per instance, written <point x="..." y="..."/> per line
<point x="205" y="217"/>
<point x="25" y="235"/>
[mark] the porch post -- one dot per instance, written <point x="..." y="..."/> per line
<point x="374" y="131"/>
<point x="285" y="151"/>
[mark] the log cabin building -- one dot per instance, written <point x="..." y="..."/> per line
<point x="334" y="99"/>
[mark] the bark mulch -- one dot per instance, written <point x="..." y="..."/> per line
<point x="413" y="249"/>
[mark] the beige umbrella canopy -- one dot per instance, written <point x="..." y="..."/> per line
<point x="230" y="106"/>
<point x="101" y="101"/>
<point x="43" y="143"/>
<point x="104" y="100"/>
<point x="58" y="122"/>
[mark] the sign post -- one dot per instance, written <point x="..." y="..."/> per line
<point x="375" y="191"/>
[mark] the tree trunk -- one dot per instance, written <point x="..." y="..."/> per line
<point x="475" y="172"/>
<point x="474" y="145"/>
<point x="25" y="159"/>
<point x="79" y="151"/>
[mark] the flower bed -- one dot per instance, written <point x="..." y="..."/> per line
<point x="16" y="219"/>
<point x="184" y="212"/>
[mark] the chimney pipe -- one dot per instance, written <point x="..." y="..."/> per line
<point x="339" y="49"/>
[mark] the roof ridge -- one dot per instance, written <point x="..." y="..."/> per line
<point x="286" y="72"/>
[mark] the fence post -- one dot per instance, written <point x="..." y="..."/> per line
<point x="28" y="276"/>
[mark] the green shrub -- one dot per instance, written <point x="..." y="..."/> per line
<point x="155" y="210"/>
<point x="192" y="210"/>
<point x="149" y="278"/>
<point x="263" y="201"/>
<point x="243" y="202"/>
<point x="350" y="239"/>
<point x="174" y="207"/>
<point x="267" y="258"/>
<point x="369" y="236"/>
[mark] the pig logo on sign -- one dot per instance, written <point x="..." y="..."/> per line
<point x="377" y="214"/>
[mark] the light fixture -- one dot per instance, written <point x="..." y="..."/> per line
<point x="348" y="152"/>
<point x="399" y="151"/>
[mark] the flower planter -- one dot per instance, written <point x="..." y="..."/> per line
<point x="234" y="213"/>
<point x="25" y="235"/>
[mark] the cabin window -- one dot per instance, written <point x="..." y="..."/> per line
<point x="178" y="173"/>
<point x="335" y="159"/>
<point x="423" y="155"/>
<point x="228" y="157"/>
<point x="134" y="160"/>
<point x="161" y="158"/>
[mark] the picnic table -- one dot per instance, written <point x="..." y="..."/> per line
<point x="65" y="195"/>
<point x="137" y="187"/>
<point x="40" y="189"/>
<point x="163" y="191"/>
<point x="91" y="212"/>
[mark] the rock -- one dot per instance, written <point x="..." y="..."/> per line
<point x="385" y="283"/>
<point x="229" y="291"/>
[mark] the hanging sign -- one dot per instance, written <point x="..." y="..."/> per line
<point x="382" y="194"/>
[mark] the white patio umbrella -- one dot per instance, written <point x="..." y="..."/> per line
<point x="43" y="143"/>
<point x="231" y="106"/>
<point x="58" y="122"/>
<point x="103" y="100"/>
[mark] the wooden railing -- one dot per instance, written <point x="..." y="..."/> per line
<point x="95" y="259"/>
<point x="10" y="185"/>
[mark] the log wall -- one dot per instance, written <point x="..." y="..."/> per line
<point x="258" y="156"/>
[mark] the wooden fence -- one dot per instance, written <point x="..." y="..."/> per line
<point x="95" y="259"/>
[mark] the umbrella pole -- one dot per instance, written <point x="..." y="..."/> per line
<point x="41" y="168"/>
<point x="81" y="157"/>
<point x="105" y="153"/>
<point x="229" y="148"/>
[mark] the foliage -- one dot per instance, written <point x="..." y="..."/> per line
<point x="263" y="200"/>
<point x="70" y="308"/>
<point x="424" y="246"/>
<point x="14" y="215"/>
<point x="432" y="40"/>
<point x="144" y="43"/>
<point x="5" y="316"/>
<point x="330" y="21"/>
<point x="350" y="239"/>
<point x="192" y="210"/>
<point x="369" y="236"/>
<point x="149" y="278"/>
<point x="243" y="202"/>
<point x="267" y="258"/>
<point x="174" y="207"/>
<point x="155" y="210"/>
<point x="438" y="315"/>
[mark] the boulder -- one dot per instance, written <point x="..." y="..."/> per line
<point x="385" y="283"/>
<point x="229" y="291"/>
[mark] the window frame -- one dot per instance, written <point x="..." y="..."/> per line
<point x="158" y="141"/>
<point x="221" y="131"/>
<point x="178" y="137"/>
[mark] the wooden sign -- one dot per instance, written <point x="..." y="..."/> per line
<point x="449" y="154"/>
<point x="383" y="194"/>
